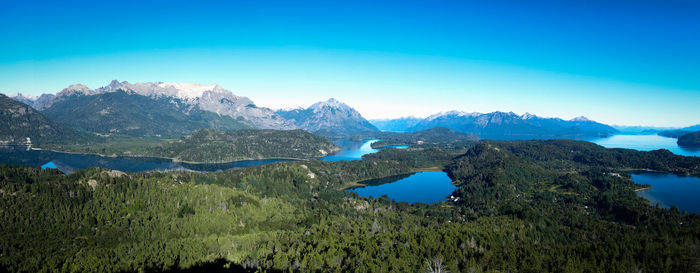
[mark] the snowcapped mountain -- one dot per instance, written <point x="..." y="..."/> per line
<point x="502" y="125"/>
<point x="395" y="125"/>
<point x="328" y="117"/>
<point x="184" y="96"/>
<point x="212" y="98"/>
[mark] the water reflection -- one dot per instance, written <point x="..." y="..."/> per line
<point x="68" y="163"/>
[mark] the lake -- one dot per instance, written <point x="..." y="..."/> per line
<point x="670" y="190"/>
<point x="421" y="187"/>
<point x="68" y="163"/>
<point x="351" y="150"/>
<point x="354" y="150"/>
<point x="645" y="143"/>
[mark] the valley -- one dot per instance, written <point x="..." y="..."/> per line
<point x="198" y="181"/>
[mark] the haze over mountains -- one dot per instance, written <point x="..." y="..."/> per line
<point x="501" y="125"/>
<point x="328" y="117"/>
<point x="171" y="110"/>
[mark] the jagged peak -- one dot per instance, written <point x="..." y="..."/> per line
<point x="22" y="96"/>
<point x="331" y="102"/>
<point x="581" y="118"/>
<point x="527" y="115"/>
<point x="74" y="89"/>
<point x="78" y="87"/>
<point x="453" y="113"/>
<point x="289" y="109"/>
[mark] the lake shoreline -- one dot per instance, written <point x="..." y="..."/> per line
<point x="175" y="160"/>
<point x="357" y="184"/>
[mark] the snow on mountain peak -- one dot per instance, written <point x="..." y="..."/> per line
<point x="528" y="116"/>
<point x="74" y="89"/>
<point x="581" y="118"/>
<point x="451" y="113"/>
<point x="22" y="96"/>
<point x="190" y="90"/>
<point x="331" y="103"/>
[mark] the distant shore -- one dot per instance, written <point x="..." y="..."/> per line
<point x="177" y="160"/>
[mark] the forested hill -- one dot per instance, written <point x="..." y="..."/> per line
<point x="437" y="136"/>
<point x="690" y="140"/>
<point x="529" y="206"/>
<point x="19" y="121"/>
<point x="209" y="145"/>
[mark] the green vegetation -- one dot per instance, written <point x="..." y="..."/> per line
<point x="435" y="137"/>
<point x="690" y="139"/>
<point x="214" y="146"/>
<point x="526" y="206"/>
<point x="673" y="133"/>
<point x="121" y="113"/>
<point x="209" y="145"/>
<point x="18" y="122"/>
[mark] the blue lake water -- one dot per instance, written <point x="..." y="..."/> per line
<point x="422" y="187"/>
<point x="351" y="150"/>
<point x="354" y="150"/>
<point x="670" y="190"/>
<point x="68" y="163"/>
<point x="645" y="143"/>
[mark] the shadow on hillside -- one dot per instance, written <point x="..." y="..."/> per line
<point x="216" y="266"/>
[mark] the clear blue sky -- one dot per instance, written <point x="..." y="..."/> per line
<point x="618" y="62"/>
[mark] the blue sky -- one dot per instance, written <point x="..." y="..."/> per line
<point x="618" y="62"/>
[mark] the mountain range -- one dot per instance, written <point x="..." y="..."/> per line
<point x="172" y="110"/>
<point x="329" y="117"/>
<point x="396" y="125"/>
<point x="505" y="126"/>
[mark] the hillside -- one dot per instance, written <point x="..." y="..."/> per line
<point x="21" y="124"/>
<point x="184" y="97"/>
<point x="127" y="113"/>
<point x="208" y="145"/>
<point x="441" y="136"/>
<point x="524" y="206"/>
<point x="329" y="117"/>
<point x="690" y="140"/>
<point x="676" y="133"/>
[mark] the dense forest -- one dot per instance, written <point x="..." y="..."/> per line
<point x="435" y="137"/>
<point x="214" y="146"/>
<point x="526" y="206"/>
<point x="690" y="140"/>
<point x="209" y="145"/>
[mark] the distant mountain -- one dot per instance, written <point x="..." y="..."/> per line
<point x="183" y="96"/>
<point x="690" y="140"/>
<point x="395" y="125"/>
<point x="505" y="126"/>
<point x="127" y="113"/>
<point x="676" y="133"/>
<point x="673" y="133"/>
<point x="21" y="124"/>
<point x="329" y="117"/>
<point x="640" y="130"/>
<point x="28" y="100"/>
